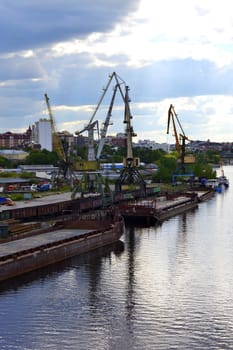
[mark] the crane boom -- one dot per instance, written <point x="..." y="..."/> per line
<point x="92" y="158"/>
<point x="181" y="138"/>
<point x="103" y="132"/>
<point x="99" y="103"/>
<point x="55" y="139"/>
<point x="113" y="75"/>
<point x="171" y="116"/>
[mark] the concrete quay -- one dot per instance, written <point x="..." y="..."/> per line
<point x="40" y="200"/>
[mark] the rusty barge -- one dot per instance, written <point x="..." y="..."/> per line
<point x="85" y="228"/>
<point x="67" y="238"/>
<point x="162" y="207"/>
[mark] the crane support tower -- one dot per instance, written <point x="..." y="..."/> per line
<point x="184" y="160"/>
<point x="130" y="175"/>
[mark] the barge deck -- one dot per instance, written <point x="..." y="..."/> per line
<point x="41" y="241"/>
<point x="162" y="207"/>
<point x="70" y="238"/>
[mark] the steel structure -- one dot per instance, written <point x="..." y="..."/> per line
<point x="184" y="160"/>
<point x="92" y="180"/>
<point x="130" y="175"/>
<point x="61" y="148"/>
<point x="92" y="162"/>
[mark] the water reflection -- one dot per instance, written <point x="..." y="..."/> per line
<point x="91" y="260"/>
<point x="130" y="302"/>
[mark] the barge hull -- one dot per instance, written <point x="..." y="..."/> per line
<point x="13" y="265"/>
<point x="151" y="210"/>
<point x="167" y="214"/>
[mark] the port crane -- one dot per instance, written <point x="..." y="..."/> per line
<point x="92" y="162"/>
<point x="184" y="160"/>
<point x="92" y="180"/>
<point x="61" y="147"/>
<point x="130" y="175"/>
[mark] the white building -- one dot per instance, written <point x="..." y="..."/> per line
<point x="152" y="145"/>
<point x="42" y="134"/>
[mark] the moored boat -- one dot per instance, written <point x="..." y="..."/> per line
<point x="223" y="180"/>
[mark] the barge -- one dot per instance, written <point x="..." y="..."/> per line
<point x="66" y="239"/>
<point x="162" y="207"/>
<point x="57" y="204"/>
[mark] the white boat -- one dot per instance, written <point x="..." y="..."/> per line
<point x="223" y="180"/>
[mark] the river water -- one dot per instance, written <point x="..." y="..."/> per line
<point x="161" y="287"/>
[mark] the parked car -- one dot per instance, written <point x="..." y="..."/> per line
<point x="44" y="187"/>
<point x="6" y="201"/>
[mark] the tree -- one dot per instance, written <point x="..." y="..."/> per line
<point x="148" y="155"/>
<point x="42" y="157"/>
<point x="6" y="163"/>
<point x="167" y="166"/>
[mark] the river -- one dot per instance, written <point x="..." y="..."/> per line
<point x="162" y="287"/>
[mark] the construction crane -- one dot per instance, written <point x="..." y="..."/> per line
<point x="180" y="138"/>
<point x="92" y="162"/>
<point x="130" y="175"/>
<point x="62" y="149"/>
<point x="91" y="180"/>
<point x="184" y="159"/>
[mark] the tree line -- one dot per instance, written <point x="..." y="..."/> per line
<point x="166" y="162"/>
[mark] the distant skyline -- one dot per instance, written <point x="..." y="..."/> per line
<point x="168" y="52"/>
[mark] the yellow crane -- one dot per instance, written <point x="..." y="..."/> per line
<point x="184" y="160"/>
<point x="180" y="138"/>
<point x="60" y="148"/>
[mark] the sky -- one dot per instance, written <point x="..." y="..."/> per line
<point x="168" y="52"/>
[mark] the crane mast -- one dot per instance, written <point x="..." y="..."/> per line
<point x="130" y="175"/>
<point x="129" y="130"/>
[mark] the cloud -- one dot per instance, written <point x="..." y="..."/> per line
<point x="31" y="24"/>
<point x="165" y="55"/>
<point x="18" y="67"/>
